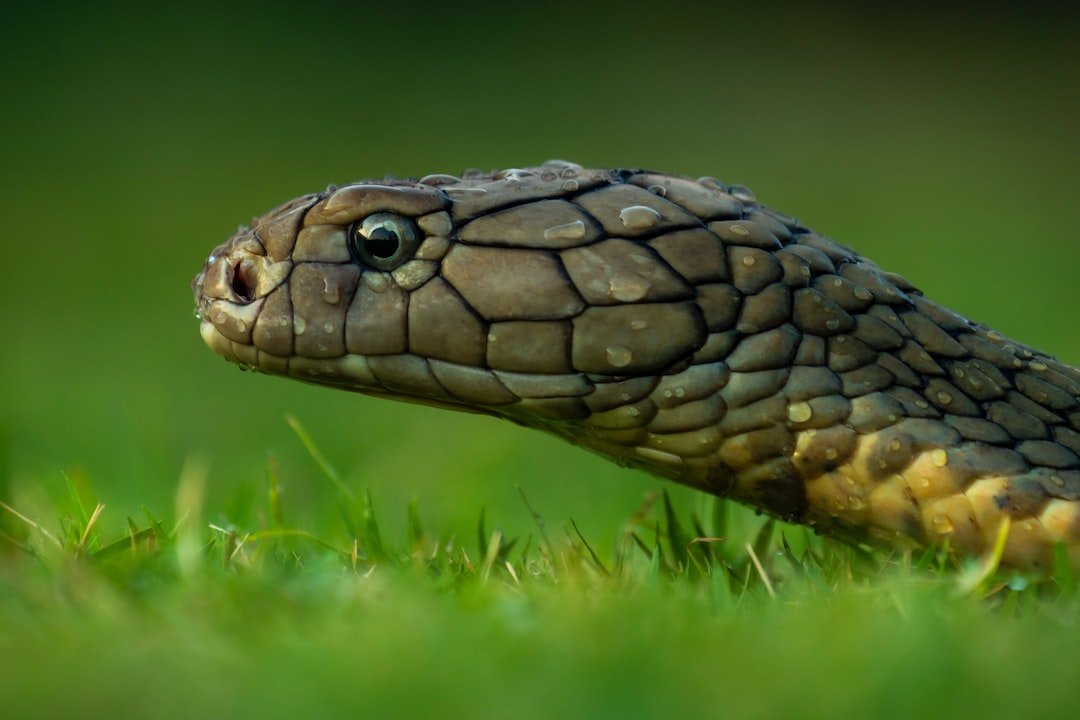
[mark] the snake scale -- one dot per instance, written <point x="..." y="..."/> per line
<point x="672" y="325"/>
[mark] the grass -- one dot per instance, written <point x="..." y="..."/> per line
<point x="707" y="611"/>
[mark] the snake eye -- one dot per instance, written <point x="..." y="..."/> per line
<point x="384" y="240"/>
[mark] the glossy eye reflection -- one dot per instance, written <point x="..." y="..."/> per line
<point x="384" y="240"/>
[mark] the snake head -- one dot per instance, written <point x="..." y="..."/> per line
<point x="512" y="293"/>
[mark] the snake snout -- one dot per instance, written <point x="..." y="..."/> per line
<point x="231" y="291"/>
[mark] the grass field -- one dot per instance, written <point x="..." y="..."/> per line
<point x="171" y="545"/>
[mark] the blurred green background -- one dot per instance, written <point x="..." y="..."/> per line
<point x="136" y="137"/>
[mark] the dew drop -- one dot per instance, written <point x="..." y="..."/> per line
<point x="862" y="293"/>
<point x="464" y="190"/>
<point x="1056" y="479"/>
<point x="639" y="324"/>
<point x="943" y="525"/>
<point x="680" y="391"/>
<point x="743" y="193"/>
<point x="628" y="288"/>
<point x="830" y="453"/>
<point x="241" y="326"/>
<point x="740" y="230"/>
<point x="922" y="404"/>
<point x="943" y="397"/>
<point x="995" y="336"/>
<point x="894" y="445"/>
<point x="619" y="356"/>
<point x="1038" y="366"/>
<point x="657" y="190"/>
<point x="749" y="261"/>
<point x="800" y="412"/>
<point x="939" y="458"/>
<point x="570" y="185"/>
<point x="331" y="293"/>
<point x="328" y="328"/>
<point x="833" y="324"/>
<point x="855" y="502"/>
<point x="639" y="217"/>
<point x="570" y="231"/>
<point x="299" y="325"/>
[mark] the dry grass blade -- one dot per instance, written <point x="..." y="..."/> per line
<point x="760" y="570"/>
<point x="48" y="535"/>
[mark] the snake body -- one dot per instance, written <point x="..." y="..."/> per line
<point x="672" y="325"/>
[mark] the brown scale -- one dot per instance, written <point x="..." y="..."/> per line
<point x="674" y="325"/>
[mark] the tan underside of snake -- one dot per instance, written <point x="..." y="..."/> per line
<point x="672" y="325"/>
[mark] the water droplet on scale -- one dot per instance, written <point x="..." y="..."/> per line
<point x="570" y="231"/>
<point x="639" y="217"/>
<point x="619" y="356"/>
<point x="800" y="412"/>
<point x="943" y="525"/>
<point x="331" y="292"/>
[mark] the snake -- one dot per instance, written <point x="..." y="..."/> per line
<point x="676" y="326"/>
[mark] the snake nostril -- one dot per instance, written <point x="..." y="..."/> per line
<point x="244" y="281"/>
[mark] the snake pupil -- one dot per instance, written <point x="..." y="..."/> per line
<point x="382" y="242"/>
